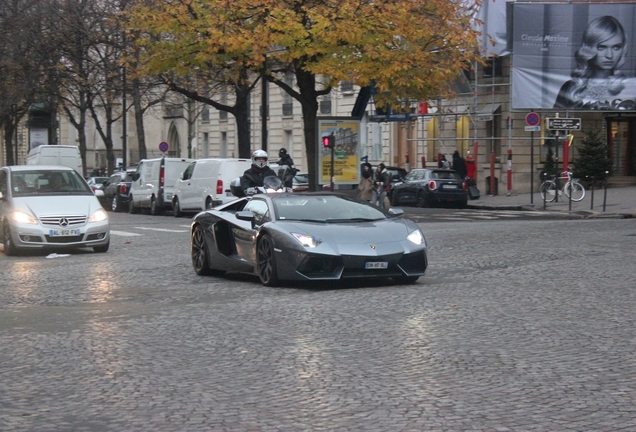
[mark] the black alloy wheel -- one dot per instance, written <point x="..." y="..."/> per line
<point x="422" y="201"/>
<point x="200" y="254"/>
<point x="266" y="261"/>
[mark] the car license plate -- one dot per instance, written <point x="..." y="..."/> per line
<point x="450" y="186"/>
<point x="376" y="265"/>
<point x="64" y="233"/>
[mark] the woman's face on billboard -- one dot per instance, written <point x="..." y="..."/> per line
<point x="609" y="52"/>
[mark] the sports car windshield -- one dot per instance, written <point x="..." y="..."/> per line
<point x="325" y="209"/>
<point x="47" y="182"/>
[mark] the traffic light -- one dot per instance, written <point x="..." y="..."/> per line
<point x="328" y="141"/>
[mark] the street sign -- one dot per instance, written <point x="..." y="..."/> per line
<point x="533" y="128"/>
<point x="163" y="146"/>
<point x="564" y="123"/>
<point x="532" y="119"/>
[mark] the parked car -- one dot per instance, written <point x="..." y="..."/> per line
<point x="397" y="176"/>
<point x="205" y="183"/>
<point x="429" y="187"/>
<point x="307" y="236"/>
<point x="96" y="182"/>
<point x="153" y="184"/>
<point x="116" y="190"/>
<point x="49" y="207"/>
<point x="300" y="182"/>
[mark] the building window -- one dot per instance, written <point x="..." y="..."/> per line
<point x="346" y="87"/>
<point x="222" y="115"/>
<point x="493" y="67"/>
<point x="325" y="106"/>
<point x="288" y="101"/>
<point x="206" y="145"/>
<point x="173" y="111"/>
<point x="205" y="114"/>
<point x="288" y="109"/>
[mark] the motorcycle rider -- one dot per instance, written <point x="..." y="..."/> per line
<point x="287" y="170"/>
<point x="253" y="177"/>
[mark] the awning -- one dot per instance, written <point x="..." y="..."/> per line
<point x="486" y="112"/>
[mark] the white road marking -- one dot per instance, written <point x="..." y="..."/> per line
<point x="124" y="233"/>
<point x="162" y="230"/>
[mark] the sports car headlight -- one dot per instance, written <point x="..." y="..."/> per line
<point x="307" y="241"/>
<point x="22" y="217"/>
<point x="417" y="237"/>
<point x="98" y="216"/>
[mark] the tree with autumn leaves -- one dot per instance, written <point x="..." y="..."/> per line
<point x="410" y="50"/>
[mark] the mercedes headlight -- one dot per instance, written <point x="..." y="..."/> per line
<point x="22" y="217"/>
<point x="98" y="216"/>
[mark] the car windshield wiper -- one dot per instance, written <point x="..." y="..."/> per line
<point x="352" y="220"/>
<point x="303" y="220"/>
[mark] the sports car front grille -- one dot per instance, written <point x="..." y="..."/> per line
<point x="63" y="220"/>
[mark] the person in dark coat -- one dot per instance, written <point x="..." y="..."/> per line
<point x="287" y="170"/>
<point x="254" y="176"/>
<point x="459" y="164"/>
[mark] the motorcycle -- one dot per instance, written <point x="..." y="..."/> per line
<point x="271" y="184"/>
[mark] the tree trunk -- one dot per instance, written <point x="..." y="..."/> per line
<point x="139" y="120"/>
<point x="306" y="83"/>
<point x="8" y="142"/>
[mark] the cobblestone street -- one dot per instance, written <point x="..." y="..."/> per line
<point x="519" y="325"/>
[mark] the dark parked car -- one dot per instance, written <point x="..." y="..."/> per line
<point x="429" y="187"/>
<point x="397" y="176"/>
<point x="116" y="190"/>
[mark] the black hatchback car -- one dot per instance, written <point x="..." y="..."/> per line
<point x="116" y="190"/>
<point x="430" y="187"/>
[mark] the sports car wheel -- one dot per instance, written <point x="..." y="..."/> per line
<point x="9" y="247"/>
<point x="200" y="256"/>
<point x="176" y="210"/>
<point x="266" y="262"/>
<point x="114" y="206"/>
<point x="421" y="199"/>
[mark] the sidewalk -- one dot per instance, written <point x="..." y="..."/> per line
<point x="620" y="202"/>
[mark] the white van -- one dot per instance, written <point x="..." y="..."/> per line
<point x="205" y="183"/>
<point x="153" y="184"/>
<point x="68" y="156"/>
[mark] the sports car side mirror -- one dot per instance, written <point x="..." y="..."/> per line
<point x="246" y="216"/>
<point x="396" y="211"/>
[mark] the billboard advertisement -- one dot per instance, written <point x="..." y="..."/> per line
<point x="346" y="131"/>
<point x="574" y="56"/>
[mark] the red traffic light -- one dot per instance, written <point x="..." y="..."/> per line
<point x="328" y="141"/>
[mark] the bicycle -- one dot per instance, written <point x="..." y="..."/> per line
<point x="572" y="188"/>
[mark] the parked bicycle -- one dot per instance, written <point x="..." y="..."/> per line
<point x="572" y="188"/>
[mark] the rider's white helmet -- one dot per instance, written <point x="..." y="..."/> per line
<point x="259" y="154"/>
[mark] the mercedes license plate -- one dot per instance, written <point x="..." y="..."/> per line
<point x="64" y="233"/>
<point x="376" y="265"/>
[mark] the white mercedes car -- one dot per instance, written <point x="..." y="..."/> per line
<point x="49" y="207"/>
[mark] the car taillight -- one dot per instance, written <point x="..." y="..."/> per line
<point x="219" y="187"/>
<point x="432" y="185"/>
<point x="161" y="176"/>
<point x="465" y="186"/>
<point x="123" y="189"/>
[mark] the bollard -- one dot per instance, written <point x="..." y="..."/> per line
<point x="545" y="195"/>
<point x="605" y="191"/>
<point x="592" y="192"/>
<point x="570" y="198"/>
